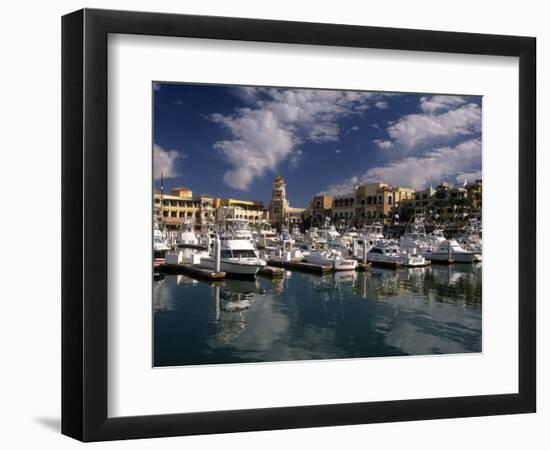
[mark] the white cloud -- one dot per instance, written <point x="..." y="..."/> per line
<point x="266" y="132"/>
<point x="342" y="188"/>
<point x="416" y="129"/>
<point x="381" y="105"/>
<point x="338" y="151"/>
<point x="384" y="145"/>
<point x="164" y="162"/>
<point x="438" y="103"/>
<point x="259" y="143"/>
<point x="452" y="164"/>
<point x="375" y="125"/>
<point x="468" y="177"/>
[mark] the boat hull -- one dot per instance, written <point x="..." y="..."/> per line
<point x="233" y="267"/>
<point x="467" y="258"/>
<point x="336" y="264"/>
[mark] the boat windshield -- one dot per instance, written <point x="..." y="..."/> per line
<point x="239" y="253"/>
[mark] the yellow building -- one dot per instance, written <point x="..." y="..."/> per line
<point x="172" y="209"/>
<point x="231" y="208"/>
<point x="343" y="209"/>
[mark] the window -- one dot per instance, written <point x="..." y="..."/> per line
<point x="390" y="200"/>
<point x="376" y="250"/>
<point x="244" y="254"/>
<point x="369" y="200"/>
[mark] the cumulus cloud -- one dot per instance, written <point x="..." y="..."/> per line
<point x="381" y="104"/>
<point x="275" y="121"/>
<point x="468" y="177"/>
<point x="453" y="164"/>
<point x="164" y="162"/>
<point x="383" y="144"/>
<point x="438" y="103"/>
<point x="417" y="129"/>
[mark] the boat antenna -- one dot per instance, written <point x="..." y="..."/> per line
<point x="162" y="198"/>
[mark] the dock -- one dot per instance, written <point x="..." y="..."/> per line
<point x="273" y="272"/>
<point x="300" y="266"/>
<point x="193" y="271"/>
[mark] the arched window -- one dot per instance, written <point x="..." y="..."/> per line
<point x="390" y="200"/>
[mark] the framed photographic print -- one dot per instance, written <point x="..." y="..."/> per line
<point x="274" y="224"/>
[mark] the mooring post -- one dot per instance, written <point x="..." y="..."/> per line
<point x="364" y="251"/>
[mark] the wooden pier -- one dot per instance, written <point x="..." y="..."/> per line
<point x="300" y="266"/>
<point x="193" y="271"/>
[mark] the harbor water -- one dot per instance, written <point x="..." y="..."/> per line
<point x="377" y="313"/>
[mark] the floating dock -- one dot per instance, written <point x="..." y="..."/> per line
<point x="193" y="271"/>
<point x="300" y="266"/>
<point x="273" y="272"/>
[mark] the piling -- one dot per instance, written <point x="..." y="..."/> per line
<point x="218" y="254"/>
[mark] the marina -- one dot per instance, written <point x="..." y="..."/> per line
<point x="236" y="288"/>
<point x="280" y="234"/>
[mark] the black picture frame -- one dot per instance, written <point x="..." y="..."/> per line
<point x="84" y="224"/>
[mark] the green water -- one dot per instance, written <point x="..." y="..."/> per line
<point x="433" y="310"/>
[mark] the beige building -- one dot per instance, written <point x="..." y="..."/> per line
<point x="171" y="209"/>
<point x="373" y="201"/>
<point x="446" y="203"/>
<point x="231" y="208"/>
<point x="343" y="209"/>
<point x="320" y="207"/>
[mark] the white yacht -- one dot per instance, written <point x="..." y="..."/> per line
<point x="331" y="258"/>
<point x="415" y="239"/>
<point x="238" y="228"/>
<point x="451" y="251"/>
<point x="388" y="254"/>
<point x="160" y="247"/>
<point x="470" y="238"/>
<point x="185" y="236"/>
<point x="238" y="257"/>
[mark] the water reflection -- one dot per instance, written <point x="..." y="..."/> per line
<point x="380" y="312"/>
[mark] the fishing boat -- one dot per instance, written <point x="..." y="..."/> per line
<point x="186" y="237"/>
<point x="160" y="247"/>
<point x="332" y="258"/>
<point x="388" y="254"/>
<point x="451" y="251"/>
<point x="470" y="238"/>
<point x="237" y="257"/>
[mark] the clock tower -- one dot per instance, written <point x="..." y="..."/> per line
<point x="279" y="203"/>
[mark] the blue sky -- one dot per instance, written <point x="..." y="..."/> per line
<point x="231" y="141"/>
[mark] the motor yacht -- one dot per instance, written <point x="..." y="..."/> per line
<point x="332" y="258"/>
<point x="451" y="251"/>
<point x="237" y="257"/>
<point x="389" y="254"/>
